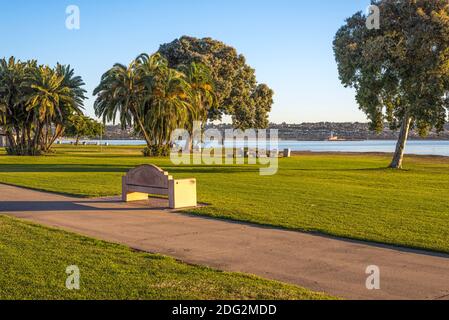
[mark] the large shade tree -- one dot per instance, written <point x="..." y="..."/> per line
<point x="237" y="92"/>
<point x="400" y="72"/>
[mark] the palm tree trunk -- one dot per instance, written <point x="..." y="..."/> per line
<point x="398" y="157"/>
<point x="11" y="142"/>
<point x="29" y="140"/>
<point x="58" y="133"/>
<point x="18" y="140"/>
<point x="37" y="136"/>
<point x="24" y="136"/>
<point x="142" y="128"/>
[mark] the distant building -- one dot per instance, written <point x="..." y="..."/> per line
<point x="343" y="131"/>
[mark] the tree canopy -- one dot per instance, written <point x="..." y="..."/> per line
<point x="237" y="91"/>
<point x="401" y="71"/>
<point x="154" y="98"/>
<point x="35" y="103"/>
<point x="81" y="126"/>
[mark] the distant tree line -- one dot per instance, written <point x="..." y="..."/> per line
<point x="187" y="80"/>
<point x="80" y="126"/>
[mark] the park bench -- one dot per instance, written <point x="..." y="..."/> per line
<point x="147" y="180"/>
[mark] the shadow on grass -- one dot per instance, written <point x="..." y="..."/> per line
<point x="36" y="168"/>
<point x="377" y="169"/>
<point x="61" y="168"/>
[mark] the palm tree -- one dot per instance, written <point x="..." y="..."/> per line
<point x="13" y="89"/>
<point x="44" y="99"/>
<point x="154" y="98"/>
<point x="146" y="94"/>
<point x="75" y="85"/>
<point x="35" y="103"/>
<point x="122" y="92"/>
<point x="167" y="106"/>
<point x="54" y="96"/>
<point x="201" y="95"/>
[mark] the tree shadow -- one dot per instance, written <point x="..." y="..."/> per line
<point x="62" y="168"/>
<point x="377" y="169"/>
<point x="83" y="205"/>
<point x="52" y="168"/>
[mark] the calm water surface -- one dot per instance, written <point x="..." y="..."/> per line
<point x="427" y="147"/>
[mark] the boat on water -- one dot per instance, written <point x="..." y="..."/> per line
<point x="334" y="138"/>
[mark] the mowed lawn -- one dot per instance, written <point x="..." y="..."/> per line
<point x="345" y="195"/>
<point x="33" y="262"/>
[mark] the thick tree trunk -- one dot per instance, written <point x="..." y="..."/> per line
<point x="396" y="163"/>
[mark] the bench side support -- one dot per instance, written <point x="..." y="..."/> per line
<point x="182" y="193"/>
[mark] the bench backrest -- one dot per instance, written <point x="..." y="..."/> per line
<point x="148" y="176"/>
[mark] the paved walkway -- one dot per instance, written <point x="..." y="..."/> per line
<point x="315" y="262"/>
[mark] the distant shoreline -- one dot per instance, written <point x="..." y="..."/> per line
<point x="418" y="147"/>
<point x="343" y="153"/>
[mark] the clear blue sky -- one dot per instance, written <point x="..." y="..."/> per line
<point x="289" y="43"/>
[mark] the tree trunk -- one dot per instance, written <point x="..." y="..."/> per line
<point x="24" y="136"/>
<point x="36" y="139"/>
<point x="11" y="142"/>
<point x="29" y="140"/>
<point x="189" y="144"/>
<point x="18" y="139"/>
<point x="77" y="140"/>
<point x="142" y="128"/>
<point x="59" y="130"/>
<point x="396" y="163"/>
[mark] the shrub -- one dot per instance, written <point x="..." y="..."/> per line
<point x="156" y="151"/>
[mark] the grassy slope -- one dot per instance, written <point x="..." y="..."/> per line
<point x="343" y="195"/>
<point x="33" y="260"/>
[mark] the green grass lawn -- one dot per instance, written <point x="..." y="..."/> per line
<point x="33" y="261"/>
<point x="352" y="196"/>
